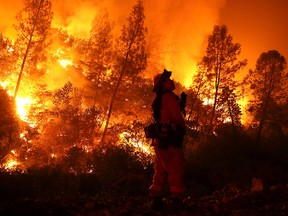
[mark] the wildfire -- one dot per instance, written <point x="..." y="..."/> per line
<point x="4" y="84"/>
<point x="138" y="144"/>
<point x="11" y="165"/>
<point x="207" y="101"/>
<point x="65" y="62"/>
<point x="23" y="106"/>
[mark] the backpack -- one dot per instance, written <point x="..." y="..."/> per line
<point x="156" y="105"/>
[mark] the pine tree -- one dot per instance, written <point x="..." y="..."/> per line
<point x="100" y="52"/>
<point x="9" y="124"/>
<point x="6" y="60"/>
<point x="131" y="53"/>
<point x="221" y="64"/>
<point x="33" y="27"/>
<point x="268" y="83"/>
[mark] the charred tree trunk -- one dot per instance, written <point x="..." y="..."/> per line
<point x="27" y="50"/>
<point x="115" y="93"/>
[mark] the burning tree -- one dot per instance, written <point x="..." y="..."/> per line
<point x="9" y="125"/>
<point x="99" y="56"/>
<point x="131" y="56"/>
<point x="219" y="67"/>
<point x="6" y="58"/>
<point x="75" y="79"/>
<point x="33" y="27"/>
<point x="99" y="62"/>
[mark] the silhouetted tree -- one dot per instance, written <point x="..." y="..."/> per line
<point x="6" y="60"/>
<point x="99" y="62"/>
<point x="220" y="64"/>
<point x="9" y="124"/>
<point x="99" y="56"/>
<point x="229" y="109"/>
<point x="268" y="83"/>
<point x="67" y="123"/>
<point x="33" y="26"/>
<point x="198" y="113"/>
<point x="131" y="53"/>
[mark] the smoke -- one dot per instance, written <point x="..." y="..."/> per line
<point x="7" y="16"/>
<point x="177" y="30"/>
<point x="181" y="29"/>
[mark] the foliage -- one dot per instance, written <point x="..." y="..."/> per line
<point x="100" y="52"/>
<point x="227" y="158"/>
<point x="95" y="58"/>
<point x="34" y="23"/>
<point x="217" y="69"/>
<point x="131" y="45"/>
<point x="268" y="83"/>
<point x="33" y="30"/>
<point x="6" y="57"/>
<point x="131" y="56"/>
<point x="9" y="125"/>
<point x="119" y="168"/>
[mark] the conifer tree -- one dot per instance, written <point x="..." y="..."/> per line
<point x="33" y="27"/>
<point x="268" y="83"/>
<point x="221" y="64"/>
<point x="131" y="53"/>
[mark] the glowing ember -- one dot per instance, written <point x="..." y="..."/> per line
<point x="10" y="49"/>
<point x="228" y="119"/>
<point x="65" y="62"/>
<point x="207" y="101"/>
<point x="136" y="143"/>
<point x="11" y="165"/>
<point x="4" y="84"/>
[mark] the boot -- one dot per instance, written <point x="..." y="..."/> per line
<point x="177" y="204"/>
<point x="156" y="203"/>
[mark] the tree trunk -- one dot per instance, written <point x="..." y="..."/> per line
<point x="115" y="93"/>
<point x="27" y="51"/>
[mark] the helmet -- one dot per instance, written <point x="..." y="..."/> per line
<point x="159" y="78"/>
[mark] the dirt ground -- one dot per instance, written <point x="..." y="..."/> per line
<point x="228" y="201"/>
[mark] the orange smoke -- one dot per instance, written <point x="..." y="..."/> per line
<point x="177" y="30"/>
<point x="181" y="29"/>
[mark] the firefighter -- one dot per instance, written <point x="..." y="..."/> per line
<point x="169" y="159"/>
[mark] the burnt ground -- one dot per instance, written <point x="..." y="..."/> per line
<point x="231" y="200"/>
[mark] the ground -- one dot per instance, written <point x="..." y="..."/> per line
<point x="230" y="200"/>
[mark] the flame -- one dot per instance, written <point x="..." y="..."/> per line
<point x="23" y="106"/>
<point x="4" y="84"/>
<point x="65" y="62"/>
<point x="11" y="165"/>
<point x="207" y="101"/>
<point x="136" y="143"/>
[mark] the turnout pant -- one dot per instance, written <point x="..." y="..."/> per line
<point x="169" y="166"/>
